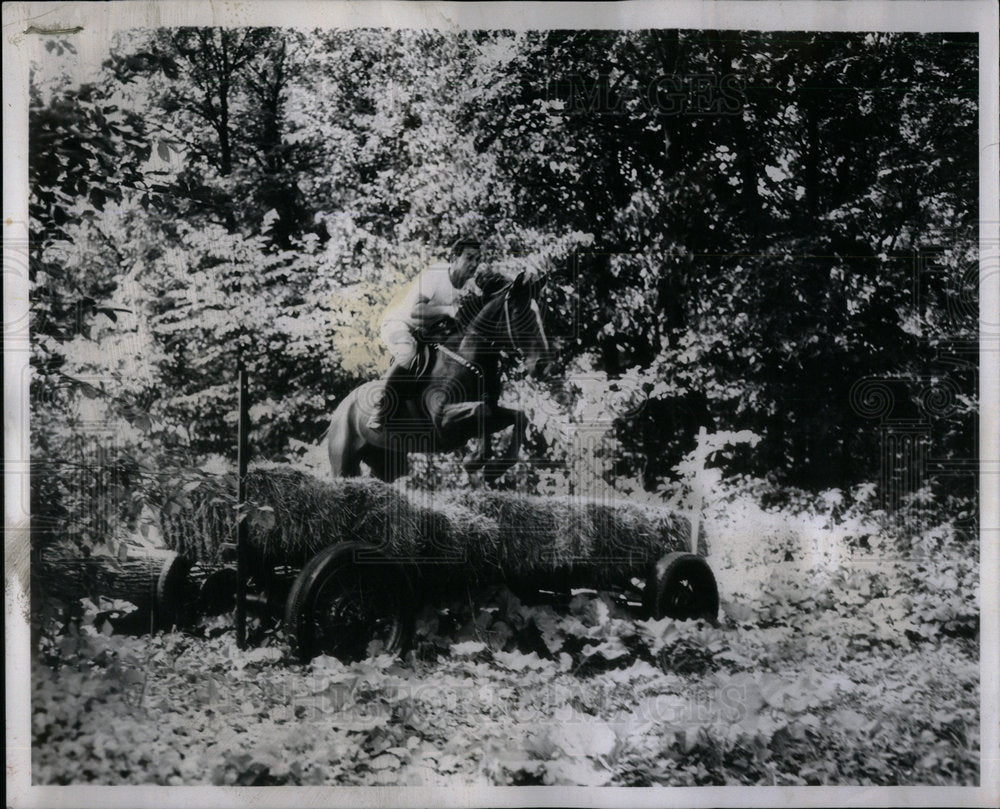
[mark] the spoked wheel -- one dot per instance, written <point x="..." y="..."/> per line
<point x="217" y="593"/>
<point x="682" y="586"/>
<point x="349" y="603"/>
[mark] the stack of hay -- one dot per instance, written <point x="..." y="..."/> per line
<point x="484" y="533"/>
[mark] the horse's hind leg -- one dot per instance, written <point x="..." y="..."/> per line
<point x="385" y="464"/>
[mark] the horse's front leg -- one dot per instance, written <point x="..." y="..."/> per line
<point x="499" y="419"/>
<point x="467" y="420"/>
<point x="460" y="422"/>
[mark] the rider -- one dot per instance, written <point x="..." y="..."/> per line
<point x="432" y="297"/>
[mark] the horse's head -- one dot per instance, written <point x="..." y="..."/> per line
<point x="511" y="318"/>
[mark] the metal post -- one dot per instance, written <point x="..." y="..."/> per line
<point x="241" y="498"/>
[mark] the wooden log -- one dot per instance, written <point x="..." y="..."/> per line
<point x="154" y="580"/>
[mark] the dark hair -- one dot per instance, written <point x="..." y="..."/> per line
<point x="462" y="242"/>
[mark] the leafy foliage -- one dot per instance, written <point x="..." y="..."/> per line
<point x="827" y="670"/>
<point x="260" y="195"/>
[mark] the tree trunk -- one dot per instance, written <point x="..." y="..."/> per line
<point x="155" y="581"/>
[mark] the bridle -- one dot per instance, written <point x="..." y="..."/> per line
<point x="471" y="366"/>
<point x="538" y="320"/>
<point x="506" y="317"/>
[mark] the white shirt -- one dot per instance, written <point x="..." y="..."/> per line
<point x="434" y="286"/>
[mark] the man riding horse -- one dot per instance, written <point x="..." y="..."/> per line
<point x="443" y="387"/>
<point x="430" y="302"/>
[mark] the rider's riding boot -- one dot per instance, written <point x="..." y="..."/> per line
<point x="390" y="394"/>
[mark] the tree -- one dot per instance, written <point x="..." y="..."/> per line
<point x="727" y="221"/>
<point x="751" y="261"/>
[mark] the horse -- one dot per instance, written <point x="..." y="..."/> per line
<point x="455" y="398"/>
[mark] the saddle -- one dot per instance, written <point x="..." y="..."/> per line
<point x="427" y="343"/>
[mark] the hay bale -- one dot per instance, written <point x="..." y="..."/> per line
<point x="589" y="540"/>
<point x="308" y="515"/>
<point x="480" y="533"/>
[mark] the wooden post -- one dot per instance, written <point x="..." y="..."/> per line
<point x="699" y="495"/>
<point x="241" y="526"/>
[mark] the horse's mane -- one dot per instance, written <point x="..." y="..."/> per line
<point x="473" y="303"/>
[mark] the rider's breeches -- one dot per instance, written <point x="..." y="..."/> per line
<point x="404" y="352"/>
<point x="401" y="343"/>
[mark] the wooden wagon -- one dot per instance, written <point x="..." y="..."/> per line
<point x="349" y="562"/>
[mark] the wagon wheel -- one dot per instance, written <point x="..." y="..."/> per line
<point x="349" y="603"/>
<point x="682" y="586"/>
<point x="217" y="594"/>
<point x="174" y="604"/>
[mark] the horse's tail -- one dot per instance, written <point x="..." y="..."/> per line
<point x="344" y="462"/>
<point x="329" y="425"/>
<point x="325" y="433"/>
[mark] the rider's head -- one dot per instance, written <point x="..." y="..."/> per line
<point x="464" y="259"/>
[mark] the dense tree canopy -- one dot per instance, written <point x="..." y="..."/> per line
<point x="732" y="224"/>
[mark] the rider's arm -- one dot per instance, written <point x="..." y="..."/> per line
<point x="435" y="297"/>
<point x="427" y="312"/>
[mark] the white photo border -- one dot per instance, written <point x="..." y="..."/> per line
<point x="99" y="20"/>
